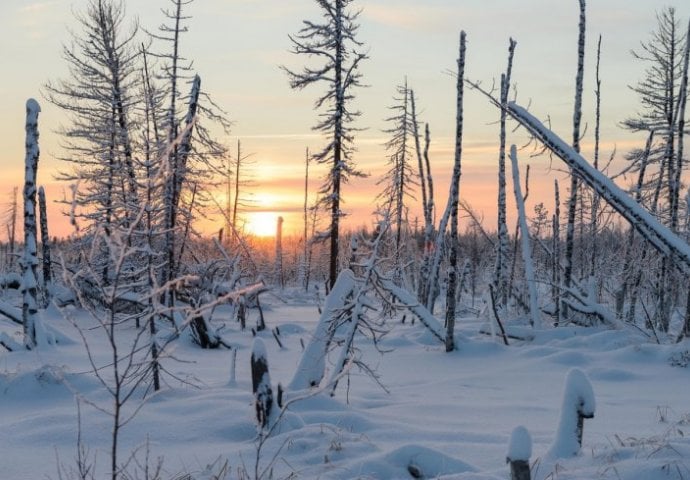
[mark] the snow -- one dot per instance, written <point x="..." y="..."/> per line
<point x="578" y="400"/>
<point x="520" y="446"/>
<point x="449" y="415"/>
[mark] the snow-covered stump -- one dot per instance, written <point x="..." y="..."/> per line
<point x="261" y="383"/>
<point x="30" y="257"/>
<point x="519" y="452"/>
<point x="578" y="404"/>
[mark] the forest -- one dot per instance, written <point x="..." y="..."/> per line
<point x="553" y="344"/>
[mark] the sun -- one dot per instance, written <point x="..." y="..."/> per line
<point x="262" y="224"/>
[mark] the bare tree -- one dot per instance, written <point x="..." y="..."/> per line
<point x="453" y="199"/>
<point x="574" y="183"/>
<point x="98" y="96"/>
<point x="30" y="257"/>
<point x="399" y="180"/>
<point x="501" y="271"/>
<point x="333" y="42"/>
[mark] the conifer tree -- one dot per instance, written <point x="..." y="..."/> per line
<point x="333" y="42"/>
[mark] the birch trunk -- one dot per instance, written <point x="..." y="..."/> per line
<point x="453" y="200"/>
<point x="574" y="184"/>
<point x="30" y="257"/>
<point x="526" y="250"/>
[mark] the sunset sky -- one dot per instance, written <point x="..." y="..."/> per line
<point x="238" y="45"/>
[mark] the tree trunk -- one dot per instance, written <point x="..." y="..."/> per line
<point x="30" y="257"/>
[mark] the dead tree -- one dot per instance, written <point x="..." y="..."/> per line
<point x="500" y="273"/>
<point x="453" y="200"/>
<point x="574" y="184"/>
<point x="45" y="248"/>
<point x="333" y="41"/>
<point x="30" y="257"/>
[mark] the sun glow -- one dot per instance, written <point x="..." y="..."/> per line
<point x="262" y="224"/>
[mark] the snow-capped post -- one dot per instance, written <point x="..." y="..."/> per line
<point x="45" y="247"/>
<point x="30" y="257"/>
<point x="261" y="383"/>
<point x="578" y="404"/>
<point x="519" y="451"/>
<point x="526" y="250"/>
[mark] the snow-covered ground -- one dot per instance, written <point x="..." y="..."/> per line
<point x="449" y="415"/>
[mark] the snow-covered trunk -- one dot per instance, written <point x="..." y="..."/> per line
<point x="535" y="318"/>
<point x="312" y="365"/>
<point x="682" y="100"/>
<point x="453" y="200"/>
<point x="501" y="270"/>
<point x="574" y="184"/>
<point x="519" y="452"/>
<point x="305" y="235"/>
<point x="594" y="212"/>
<point x="454" y="190"/>
<point x="424" y="282"/>
<point x="150" y="121"/>
<point x="30" y="258"/>
<point x="168" y="271"/>
<point x="578" y="404"/>
<point x="261" y="384"/>
<point x="556" y="265"/>
<point x="12" y="230"/>
<point x="420" y="161"/>
<point x="659" y="236"/>
<point x="47" y="287"/>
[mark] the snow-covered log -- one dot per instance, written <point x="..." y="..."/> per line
<point x="578" y="404"/>
<point x="526" y="250"/>
<point x="519" y="452"/>
<point x="30" y="257"/>
<point x="261" y="383"/>
<point x="662" y="238"/>
<point x="312" y="365"/>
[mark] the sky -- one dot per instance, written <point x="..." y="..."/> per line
<point x="238" y="45"/>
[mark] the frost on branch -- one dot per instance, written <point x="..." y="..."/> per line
<point x="578" y="404"/>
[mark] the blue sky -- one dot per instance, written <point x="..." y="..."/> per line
<point x="237" y="46"/>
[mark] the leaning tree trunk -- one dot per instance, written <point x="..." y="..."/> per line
<point x="30" y="258"/>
